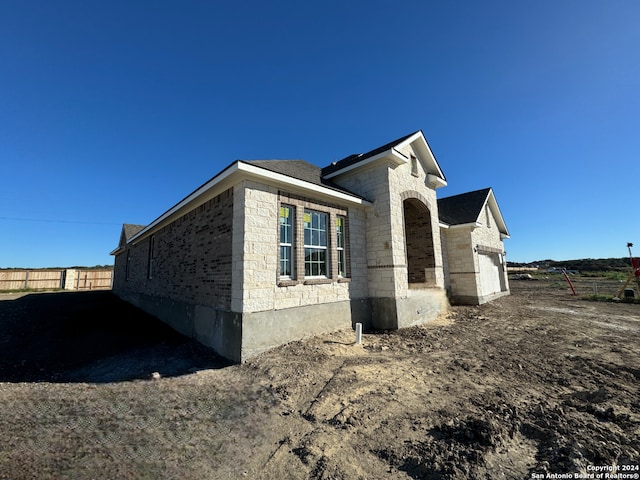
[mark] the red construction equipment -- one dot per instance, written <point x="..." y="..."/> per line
<point x="635" y="263"/>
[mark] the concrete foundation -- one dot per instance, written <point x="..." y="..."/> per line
<point x="264" y="330"/>
<point x="220" y="330"/>
<point x="239" y="337"/>
<point x="473" y="300"/>
<point x="421" y="305"/>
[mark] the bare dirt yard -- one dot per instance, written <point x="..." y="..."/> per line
<point x="538" y="382"/>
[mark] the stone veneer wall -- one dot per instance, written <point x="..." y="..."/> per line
<point x="388" y="186"/>
<point x="256" y="263"/>
<point x="275" y="311"/>
<point x="463" y="263"/>
<point x="488" y="239"/>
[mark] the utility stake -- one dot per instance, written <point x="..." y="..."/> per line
<point x="358" y="334"/>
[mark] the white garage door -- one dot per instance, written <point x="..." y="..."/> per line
<point x="490" y="272"/>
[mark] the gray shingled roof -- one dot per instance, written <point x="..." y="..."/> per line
<point x="130" y="230"/>
<point x="463" y="208"/>
<point x="300" y="169"/>
<point x="359" y="157"/>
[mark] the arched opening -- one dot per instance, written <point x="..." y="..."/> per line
<point x="418" y="242"/>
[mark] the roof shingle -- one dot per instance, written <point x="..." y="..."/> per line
<point x="301" y="170"/>
<point x="463" y="208"/>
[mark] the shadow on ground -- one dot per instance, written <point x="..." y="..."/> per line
<point x="91" y="337"/>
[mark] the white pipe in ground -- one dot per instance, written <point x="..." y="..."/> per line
<point x="358" y="333"/>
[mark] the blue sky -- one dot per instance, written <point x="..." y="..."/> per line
<point x="111" y="112"/>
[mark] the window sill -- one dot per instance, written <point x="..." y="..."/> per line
<point x="318" y="281"/>
<point x="312" y="281"/>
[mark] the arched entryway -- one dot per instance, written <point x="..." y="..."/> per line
<point x="418" y="242"/>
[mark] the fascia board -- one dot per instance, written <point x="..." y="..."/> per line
<point x="117" y="251"/>
<point x="251" y="171"/>
<point x="393" y="154"/>
<point x="497" y="214"/>
<point x="424" y="145"/>
<point x="435" y="181"/>
<point x="471" y="225"/>
<point x="410" y="140"/>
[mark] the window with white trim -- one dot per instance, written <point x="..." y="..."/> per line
<point x="287" y="222"/>
<point x="316" y="258"/>
<point x="340" y="243"/>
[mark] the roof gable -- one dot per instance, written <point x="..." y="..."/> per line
<point x="390" y="150"/>
<point x="466" y="208"/>
<point x="129" y="230"/>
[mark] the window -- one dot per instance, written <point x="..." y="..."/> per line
<point x="286" y="240"/>
<point x="316" y="261"/>
<point x="152" y="243"/>
<point x="340" y="241"/>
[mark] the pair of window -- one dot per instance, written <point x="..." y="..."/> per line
<point x="317" y="239"/>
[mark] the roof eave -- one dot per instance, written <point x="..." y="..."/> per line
<point x="280" y="179"/>
<point x="502" y="226"/>
<point x="232" y="175"/>
<point x="435" y="181"/>
<point x="472" y="225"/>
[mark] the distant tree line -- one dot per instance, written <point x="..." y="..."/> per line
<point x="583" y="265"/>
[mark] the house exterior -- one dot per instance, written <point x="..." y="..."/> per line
<point x="473" y="230"/>
<point x="270" y="251"/>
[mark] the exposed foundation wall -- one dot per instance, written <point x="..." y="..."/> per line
<point x="262" y="331"/>
<point x="422" y="305"/>
<point x="219" y="329"/>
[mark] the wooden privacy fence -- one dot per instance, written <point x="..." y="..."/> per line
<point x="66" y="279"/>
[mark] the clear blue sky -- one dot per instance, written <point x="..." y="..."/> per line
<point x="111" y="112"/>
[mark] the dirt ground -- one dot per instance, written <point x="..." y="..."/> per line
<point x="534" y="383"/>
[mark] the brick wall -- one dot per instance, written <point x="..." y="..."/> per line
<point x="419" y="241"/>
<point x="191" y="257"/>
